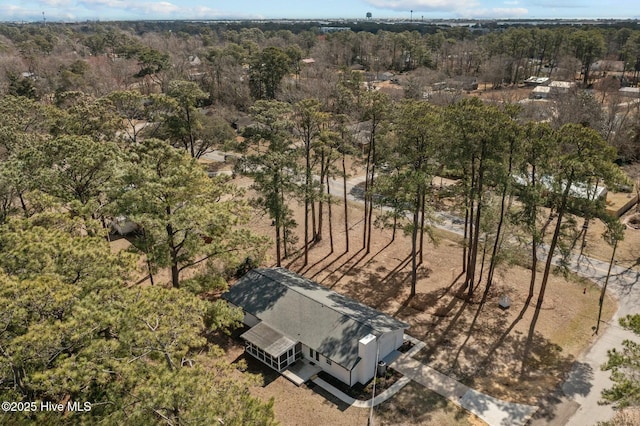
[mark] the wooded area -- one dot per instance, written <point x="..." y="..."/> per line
<point x="108" y="122"/>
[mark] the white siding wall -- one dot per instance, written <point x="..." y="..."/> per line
<point x="365" y="369"/>
<point x="334" y="369"/>
<point x="390" y="342"/>
<point x="385" y="344"/>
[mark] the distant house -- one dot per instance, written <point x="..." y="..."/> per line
<point x="604" y="66"/>
<point x="467" y="83"/>
<point x="562" y="86"/>
<point x="295" y="320"/>
<point x="361" y="134"/>
<point x="194" y="61"/>
<point x="578" y="190"/>
<point x="536" y="81"/>
<point x="122" y="225"/>
<point x="555" y="88"/>
<point x="630" y="92"/>
<point x="328" y="30"/>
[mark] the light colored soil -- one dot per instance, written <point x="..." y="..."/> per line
<point x="415" y="405"/>
<point x="483" y="349"/>
<point x="628" y="251"/>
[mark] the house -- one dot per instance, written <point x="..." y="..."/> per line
<point x="294" y="319"/>
<point x="361" y="134"/>
<point x="578" y="190"/>
<point x="555" y="88"/>
<point x="561" y="87"/>
<point x="606" y="66"/>
<point x="630" y="92"/>
<point x="122" y="225"/>
<point x="536" y="81"/>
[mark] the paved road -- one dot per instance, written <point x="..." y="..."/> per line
<point x="576" y="404"/>
<point x="586" y="380"/>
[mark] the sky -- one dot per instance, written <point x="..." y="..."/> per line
<point x="105" y="10"/>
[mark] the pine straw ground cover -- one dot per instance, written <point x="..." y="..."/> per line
<point x="482" y="346"/>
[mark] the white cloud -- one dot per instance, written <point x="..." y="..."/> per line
<point x="115" y="4"/>
<point x="424" y="5"/>
<point x="460" y="8"/>
<point x="497" y="12"/>
<point x="10" y="9"/>
<point x="151" y="8"/>
<point x="55" y="3"/>
<point x="569" y="4"/>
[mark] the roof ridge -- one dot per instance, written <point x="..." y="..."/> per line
<point x="376" y="313"/>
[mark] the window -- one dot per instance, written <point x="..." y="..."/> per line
<point x="310" y="353"/>
<point x="317" y="356"/>
<point x="328" y="361"/>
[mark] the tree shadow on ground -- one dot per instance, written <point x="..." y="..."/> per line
<point x="384" y="288"/>
<point x="479" y="345"/>
<point x="248" y="364"/>
<point x="327" y="397"/>
<point x="558" y="406"/>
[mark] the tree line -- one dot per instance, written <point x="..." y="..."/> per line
<point x="75" y="326"/>
<point x="114" y="129"/>
<point x="234" y="64"/>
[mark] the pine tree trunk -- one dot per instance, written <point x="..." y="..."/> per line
<point x="23" y="204"/>
<point x="534" y="269"/>
<point x="307" y="195"/>
<point x="148" y="262"/>
<point x="471" y="215"/>
<point x="554" y="242"/>
<point x="414" y="243"/>
<point x="369" y="220"/>
<point x="284" y="228"/>
<point x="346" y="204"/>
<point x="471" y="272"/>
<point x="603" y="291"/>
<point x="173" y="253"/>
<point x="330" y="214"/>
<point x="503" y="203"/>
<point x="318" y="236"/>
<point x="371" y="185"/>
<point x="465" y="237"/>
<point x="422" y="207"/>
<point x="545" y="276"/>
<point x="366" y="198"/>
<point x="395" y="227"/>
<point x="314" y="229"/>
<point x="471" y="223"/>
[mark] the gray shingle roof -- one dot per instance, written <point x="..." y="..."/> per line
<point x="307" y="312"/>
<point x="268" y="339"/>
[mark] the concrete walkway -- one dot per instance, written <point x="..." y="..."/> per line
<point x="576" y="403"/>
<point x="379" y="399"/>
<point x="492" y="410"/>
